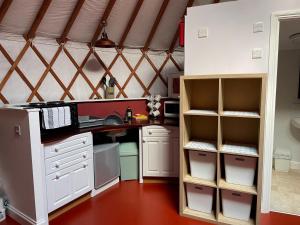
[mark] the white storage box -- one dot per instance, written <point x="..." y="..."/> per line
<point x="199" y="197"/>
<point x="240" y="169"/>
<point x="203" y="164"/>
<point x="282" y="158"/>
<point x="236" y="205"/>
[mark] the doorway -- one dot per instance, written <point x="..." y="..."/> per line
<point x="285" y="189"/>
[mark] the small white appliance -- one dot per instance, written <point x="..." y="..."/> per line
<point x="171" y="109"/>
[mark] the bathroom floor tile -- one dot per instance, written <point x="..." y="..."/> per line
<point x="285" y="193"/>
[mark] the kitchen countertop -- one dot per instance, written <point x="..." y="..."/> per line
<point x="132" y="124"/>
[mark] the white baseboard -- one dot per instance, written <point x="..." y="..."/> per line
<point x="22" y="218"/>
<point x="105" y="187"/>
<point x="295" y="165"/>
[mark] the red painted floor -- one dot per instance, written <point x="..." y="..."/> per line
<point x="134" y="204"/>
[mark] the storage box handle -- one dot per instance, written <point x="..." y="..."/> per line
<point x="199" y="188"/>
<point x="240" y="159"/>
<point x="202" y="154"/>
<point x="236" y="194"/>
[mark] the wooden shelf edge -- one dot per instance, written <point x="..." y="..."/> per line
<point x="195" y="112"/>
<point x="193" y="180"/>
<point x="239" y="154"/>
<point x="187" y="147"/>
<point x="200" y="150"/>
<point x="239" y="188"/>
<point x="187" y="212"/>
<point x="240" y="114"/>
<point x="230" y="221"/>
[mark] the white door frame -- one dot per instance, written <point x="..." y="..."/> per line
<point x="271" y="103"/>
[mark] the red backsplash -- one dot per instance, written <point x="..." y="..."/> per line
<point x="105" y="108"/>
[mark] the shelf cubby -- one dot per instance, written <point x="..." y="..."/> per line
<point x="232" y="221"/>
<point x="240" y="136"/>
<point x="224" y="185"/>
<point x="201" y="96"/>
<point x="195" y="214"/>
<point x="222" y="116"/>
<point x="202" y="132"/>
<point x="241" y="97"/>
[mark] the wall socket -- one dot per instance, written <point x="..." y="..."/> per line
<point x="258" y="27"/>
<point x="203" y="32"/>
<point x="257" y="53"/>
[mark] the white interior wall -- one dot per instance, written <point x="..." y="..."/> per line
<point x="228" y="49"/>
<point x="287" y="103"/>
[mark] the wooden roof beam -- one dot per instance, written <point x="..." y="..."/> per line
<point x="71" y="21"/>
<point x="130" y="22"/>
<point x="4" y="7"/>
<point x="176" y="35"/>
<point x="38" y="19"/>
<point x="155" y="25"/>
<point x="105" y="15"/>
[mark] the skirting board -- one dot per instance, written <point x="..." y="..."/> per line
<point x="105" y="187"/>
<point x="295" y="165"/>
<point x="22" y="218"/>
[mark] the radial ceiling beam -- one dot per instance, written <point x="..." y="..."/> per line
<point x="105" y="15"/>
<point x="176" y="35"/>
<point x="156" y="23"/>
<point x="38" y="19"/>
<point x="71" y="21"/>
<point x="130" y="22"/>
<point x="4" y="7"/>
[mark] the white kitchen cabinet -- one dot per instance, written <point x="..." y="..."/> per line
<point x="69" y="172"/>
<point x="160" y="151"/>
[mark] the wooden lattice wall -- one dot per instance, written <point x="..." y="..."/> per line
<point x="33" y="71"/>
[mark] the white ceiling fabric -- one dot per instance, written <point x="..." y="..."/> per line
<point x="22" y="13"/>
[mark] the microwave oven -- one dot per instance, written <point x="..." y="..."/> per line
<point x="174" y="85"/>
<point x="171" y="109"/>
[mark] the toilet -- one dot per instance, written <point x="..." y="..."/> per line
<point x="282" y="158"/>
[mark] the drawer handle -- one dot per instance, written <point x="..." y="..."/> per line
<point x="240" y="159"/>
<point x="85" y="165"/>
<point x="199" y="188"/>
<point x="57" y="165"/>
<point x="236" y="194"/>
<point x="57" y="176"/>
<point x="84" y="142"/>
<point x="56" y="150"/>
<point x="84" y="155"/>
<point x="150" y="132"/>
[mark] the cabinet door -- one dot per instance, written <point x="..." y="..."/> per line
<point x="151" y="156"/>
<point x="59" y="190"/>
<point x="82" y="179"/>
<point x="169" y="157"/>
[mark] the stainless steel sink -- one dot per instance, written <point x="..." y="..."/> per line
<point x="113" y="120"/>
<point x="92" y="121"/>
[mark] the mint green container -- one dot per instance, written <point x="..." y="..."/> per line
<point x="129" y="160"/>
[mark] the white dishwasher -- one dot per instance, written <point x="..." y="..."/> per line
<point x="106" y="163"/>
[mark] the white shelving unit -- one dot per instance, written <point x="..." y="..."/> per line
<point x="222" y="114"/>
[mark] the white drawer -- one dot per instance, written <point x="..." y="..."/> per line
<point x="160" y="131"/>
<point x="69" y="184"/>
<point x="69" y="144"/>
<point x="63" y="161"/>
